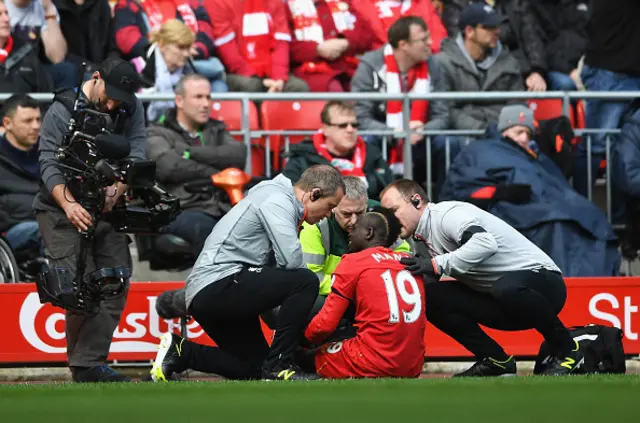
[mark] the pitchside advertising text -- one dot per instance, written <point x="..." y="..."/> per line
<point x="34" y="332"/>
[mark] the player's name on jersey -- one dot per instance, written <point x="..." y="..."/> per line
<point x="385" y="256"/>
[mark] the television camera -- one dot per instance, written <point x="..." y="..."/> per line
<point x="92" y="158"/>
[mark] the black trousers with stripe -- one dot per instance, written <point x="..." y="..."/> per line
<point x="528" y="299"/>
<point x="228" y="311"/>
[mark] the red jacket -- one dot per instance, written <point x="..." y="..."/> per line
<point x="360" y="41"/>
<point x="226" y="19"/>
<point x="422" y="8"/>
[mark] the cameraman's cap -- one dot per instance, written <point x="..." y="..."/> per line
<point x="480" y="14"/>
<point x="516" y="115"/>
<point x="120" y="79"/>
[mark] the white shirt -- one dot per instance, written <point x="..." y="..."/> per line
<point x="28" y="19"/>
<point x="486" y="255"/>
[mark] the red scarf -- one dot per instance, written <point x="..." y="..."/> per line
<point x="418" y="78"/>
<point x="160" y="11"/>
<point x="307" y="27"/>
<point x="6" y="51"/>
<point x="346" y="167"/>
<point x="389" y="12"/>
<point x="257" y="36"/>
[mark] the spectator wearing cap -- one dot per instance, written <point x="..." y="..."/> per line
<point x="61" y="216"/>
<point x="475" y="60"/>
<point x="520" y="33"/>
<point x="508" y="176"/>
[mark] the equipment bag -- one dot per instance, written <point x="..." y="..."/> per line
<point x="601" y="346"/>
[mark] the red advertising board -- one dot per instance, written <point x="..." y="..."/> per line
<point x="34" y="333"/>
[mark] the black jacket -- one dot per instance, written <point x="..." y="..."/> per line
<point x="167" y="142"/>
<point x="521" y="33"/>
<point x="88" y="29"/>
<point x="375" y="168"/>
<point x="614" y="36"/>
<point x="17" y="191"/>
<point x="23" y="72"/>
<point x="564" y="31"/>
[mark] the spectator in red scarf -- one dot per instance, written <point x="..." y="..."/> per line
<point x="253" y="41"/>
<point x="405" y="65"/>
<point x="339" y="145"/>
<point x="134" y="20"/>
<point x="327" y="37"/>
<point x="381" y="14"/>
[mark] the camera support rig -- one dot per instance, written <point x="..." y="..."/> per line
<point x="91" y="159"/>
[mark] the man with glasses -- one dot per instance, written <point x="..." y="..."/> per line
<point x="405" y="65"/>
<point x="324" y="243"/>
<point x="339" y="145"/>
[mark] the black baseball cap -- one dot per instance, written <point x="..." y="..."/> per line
<point x="120" y="79"/>
<point x="480" y="14"/>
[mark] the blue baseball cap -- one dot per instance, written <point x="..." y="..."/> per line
<point x="480" y="14"/>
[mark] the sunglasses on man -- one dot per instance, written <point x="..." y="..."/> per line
<point x="344" y="125"/>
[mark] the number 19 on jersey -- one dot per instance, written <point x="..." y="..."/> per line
<point x="411" y="299"/>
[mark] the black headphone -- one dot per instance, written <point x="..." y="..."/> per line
<point x="316" y="194"/>
<point x="415" y="200"/>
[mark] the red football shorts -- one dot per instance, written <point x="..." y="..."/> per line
<point x="341" y="360"/>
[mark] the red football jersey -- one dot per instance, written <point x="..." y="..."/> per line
<point x="390" y="312"/>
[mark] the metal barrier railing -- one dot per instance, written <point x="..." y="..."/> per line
<point x="477" y="97"/>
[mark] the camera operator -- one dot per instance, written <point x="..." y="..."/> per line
<point x="63" y="219"/>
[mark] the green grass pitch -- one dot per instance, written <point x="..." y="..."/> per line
<point x="601" y="399"/>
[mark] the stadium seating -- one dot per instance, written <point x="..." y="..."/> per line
<point x="553" y="107"/>
<point x="292" y="116"/>
<point x="550" y="108"/>
<point x="581" y="117"/>
<point x="230" y="112"/>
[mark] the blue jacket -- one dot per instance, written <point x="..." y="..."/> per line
<point x="625" y="157"/>
<point x="573" y="231"/>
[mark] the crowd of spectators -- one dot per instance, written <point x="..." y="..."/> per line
<point x="197" y="47"/>
<point x="297" y="45"/>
